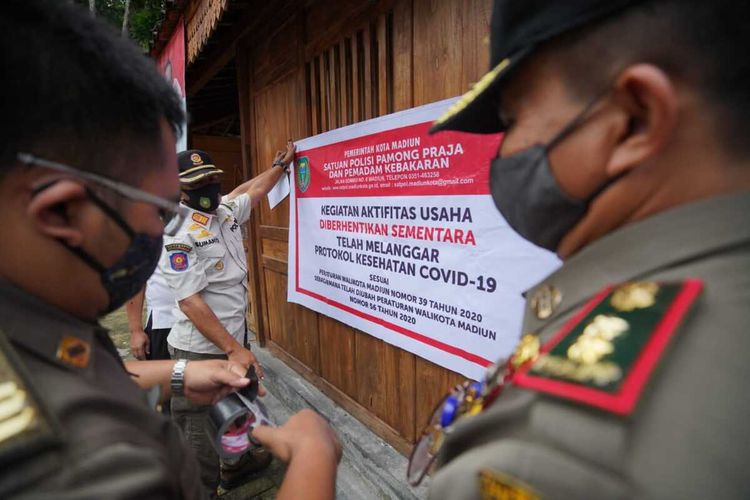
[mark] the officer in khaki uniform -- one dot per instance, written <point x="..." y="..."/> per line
<point x="88" y="185"/>
<point x="206" y="256"/>
<point x="625" y="152"/>
<point x="205" y="266"/>
<point x="71" y="420"/>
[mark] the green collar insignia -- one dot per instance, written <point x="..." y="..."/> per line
<point x="606" y="353"/>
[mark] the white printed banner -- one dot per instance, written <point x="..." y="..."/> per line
<point x="393" y="232"/>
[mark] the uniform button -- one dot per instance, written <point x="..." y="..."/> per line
<point x="545" y="300"/>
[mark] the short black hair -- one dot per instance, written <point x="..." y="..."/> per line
<point x="703" y="43"/>
<point x="74" y="90"/>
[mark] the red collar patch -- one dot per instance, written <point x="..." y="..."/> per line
<point x="607" y="352"/>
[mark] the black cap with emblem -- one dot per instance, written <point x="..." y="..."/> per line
<point x="517" y="28"/>
<point x="195" y="165"/>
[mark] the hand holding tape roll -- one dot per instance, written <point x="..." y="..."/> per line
<point x="232" y="420"/>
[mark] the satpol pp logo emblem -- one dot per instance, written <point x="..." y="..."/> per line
<point x="302" y="167"/>
<point x="178" y="261"/>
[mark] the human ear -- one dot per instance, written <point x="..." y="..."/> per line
<point x="55" y="208"/>
<point x="647" y="99"/>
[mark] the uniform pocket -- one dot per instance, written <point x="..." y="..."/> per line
<point x="234" y="241"/>
<point x="211" y="252"/>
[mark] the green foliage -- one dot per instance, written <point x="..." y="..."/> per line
<point x="144" y="21"/>
<point x="145" y="16"/>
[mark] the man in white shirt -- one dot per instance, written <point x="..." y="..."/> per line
<point x="150" y="342"/>
<point x="205" y="265"/>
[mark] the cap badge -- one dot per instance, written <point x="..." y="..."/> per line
<point x="196" y="159"/>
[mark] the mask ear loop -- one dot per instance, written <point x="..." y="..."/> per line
<point x="44" y="186"/>
<point x="114" y="215"/>
<point x="97" y="201"/>
<point x="82" y="254"/>
<point x="570" y="127"/>
<point x="578" y="120"/>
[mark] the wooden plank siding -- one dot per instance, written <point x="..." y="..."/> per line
<point x="325" y="66"/>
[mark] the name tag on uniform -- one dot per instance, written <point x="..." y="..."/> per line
<point x="494" y="485"/>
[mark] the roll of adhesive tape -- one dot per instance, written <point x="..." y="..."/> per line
<point x="229" y="425"/>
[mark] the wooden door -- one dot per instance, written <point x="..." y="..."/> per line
<point x="329" y="65"/>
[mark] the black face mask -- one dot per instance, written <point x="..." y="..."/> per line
<point x="126" y="277"/>
<point x="205" y="198"/>
<point x="528" y="196"/>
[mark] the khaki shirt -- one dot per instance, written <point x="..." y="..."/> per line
<point x="101" y="438"/>
<point x="207" y="256"/>
<point x="689" y="435"/>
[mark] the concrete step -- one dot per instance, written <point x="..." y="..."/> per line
<point x="370" y="467"/>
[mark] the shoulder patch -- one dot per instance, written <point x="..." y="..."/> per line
<point x="495" y="485"/>
<point x="25" y="426"/>
<point x="73" y="351"/>
<point x="199" y="218"/>
<point x="178" y="261"/>
<point x="184" y="247"/>
<point x="607" y="352"/>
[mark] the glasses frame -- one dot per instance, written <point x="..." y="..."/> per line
<point x="179" y="212"/>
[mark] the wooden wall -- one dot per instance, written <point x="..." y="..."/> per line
<point x="314" y="69"/>
<point x="226" y="154"/>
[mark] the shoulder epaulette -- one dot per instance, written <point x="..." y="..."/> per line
<point x="606" y="353"/>
<point x="230" y="204"/>
<point x="27" y="428"/>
